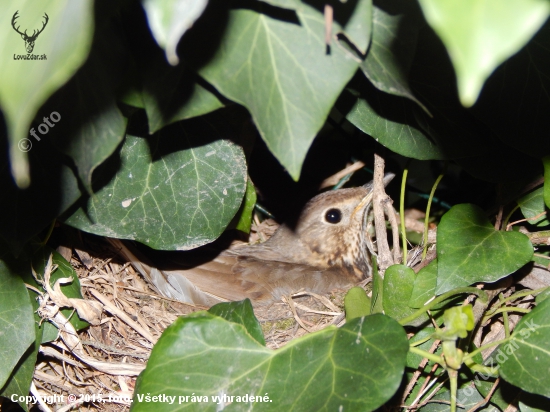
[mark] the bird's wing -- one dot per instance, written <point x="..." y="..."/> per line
<point x="232" y="277"/>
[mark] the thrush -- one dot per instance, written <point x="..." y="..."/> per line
<point x="327" y="249"/>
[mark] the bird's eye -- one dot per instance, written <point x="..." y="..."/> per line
<point x="333" y="216"/>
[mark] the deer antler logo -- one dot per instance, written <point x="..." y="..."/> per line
<point x="29" y="40"/>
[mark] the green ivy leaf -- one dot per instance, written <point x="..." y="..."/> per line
<point x="64" y="270"/>
<point x="171" y="94"/>
<point x="455" y="130"/>
<point x="178" y="189"/>
<point x="21" y="378"/>
<point x="90" y="129"/>
<point x="480" y="34"/>
<point x="377" y="295"/>
<point x="526" y="355"/>
<point x="356" y="303"/>
<point x="26" y="84"/>
<point x="388" y="120"/>
<point x="503" y="105"/>
<point x="241" y="313"/>
<point x="467" y="397"/>
<point x="546" y="164"/>
<point x="16" y="316"/>
<point x="391" y="53"/>
<point x="470" y="250"/>
<point x="170" y="19"/>
<point x="280" y="72"/>
<point x="356" y="367"/>
<point x="398" y="288"/>
<point x="532" y="204"/>
<point x="529" y="402"/>
<point x="243" y="218"/>
<point x="424" y="285"/>
<point x="53" y="190"/>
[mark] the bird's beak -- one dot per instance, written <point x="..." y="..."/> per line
<point x="388" y="177"/>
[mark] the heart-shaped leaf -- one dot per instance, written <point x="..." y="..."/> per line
<point x="532" y="205"/>
<point x="170" y="19"/>
<point x="172" y="93"/>
<point x="26" y="84"/>
<point x="398" y="288"/>
<point x="54" y="189"/>
<point x="89" y="129"/>
<point x="480" y="34"/>
<point x="424" y="285"/>
<point x="391" y="53"/>
<point x="178" y="189"/>
<point x="546" y="164"/>
<point x="20" y="380"/>
<point x="64" y="270"/>
<point x="470" y="250"/>
<point x="389" y="120"/>
<point x="241" y="313"/>
<point x="243" y="219"/>
<point x="526" y="355"/>
<point x="16" y="315"/>
<point x="278" y="68"/>
<point x="357" y="303"/>
<point x="206" y="362"/>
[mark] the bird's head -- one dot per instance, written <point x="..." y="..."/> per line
<point x="332" y="229"/>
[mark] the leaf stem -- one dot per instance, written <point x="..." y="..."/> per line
<point x="485" y="370"/>
<point x="508" y="216"/>
<point x="504" y="310"/>
<point x="471" y="355"/>
<point x="421" y="341"/>
<point x="504" y="318"/>
<point x="522" y="294"/>
<point x="470" y="290"/>
<point x="427" y="218"/>
<point x="453" y="379"/>
<point x="50" y="230"/>
<point x="402" y="214"/>
<point x="427" y="355"/>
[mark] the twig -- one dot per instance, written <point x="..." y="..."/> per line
<point x="525" y="220"/>
<point x="108" y="306"/>
<point x="41" y="402"/>
<point x="417" y="373"/>
<point x="483" y="402"/>
<point x="392" y="218"/>
<point x="288" y="300"/>
<point x="335" y="178"/>
<point x="379" y="198"/>
<point x="498" y="220"/>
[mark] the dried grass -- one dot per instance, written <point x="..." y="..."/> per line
<point x="105" y="359"/>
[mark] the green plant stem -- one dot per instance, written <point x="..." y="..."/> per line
<point x="427" y="219"/>
<point x="505" y="318"/>
<point x="522" y="294"/>
<point x="402" y="214"/>
<point x="427" y="355"/>
<point x="453" y="378"/>
<point x="504" y="310"/>
<point x="421" y="341"/>
<point x="470" y="290"/>
<point x="50" y="230"/>
<point x="485" y="370"/>
<point x="471" y="355"/>
<point x="508" y="216"/>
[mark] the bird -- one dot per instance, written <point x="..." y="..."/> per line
<point x="325" y="250"/>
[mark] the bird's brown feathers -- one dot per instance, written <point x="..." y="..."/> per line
<point x="315" y="256"/>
